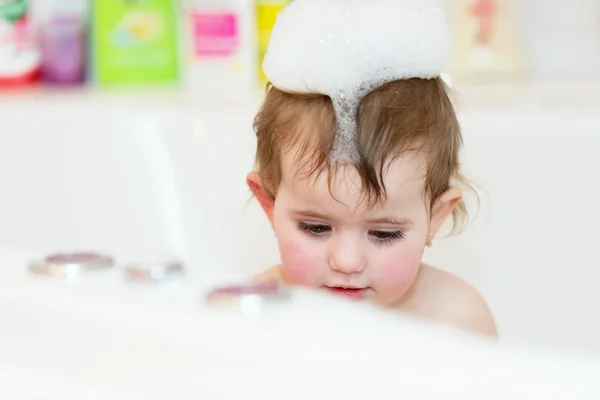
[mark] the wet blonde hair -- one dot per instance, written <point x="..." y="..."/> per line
<point x="415" y="115"/>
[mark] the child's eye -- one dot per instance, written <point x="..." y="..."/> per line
<point x="386" y="236"/>
<point x="314" y="229"/>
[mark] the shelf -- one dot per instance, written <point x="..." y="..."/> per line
<point x="535" y="96"/>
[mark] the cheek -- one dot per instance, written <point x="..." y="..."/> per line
<point x="300" y="260"/>
<point x="397" y="270"/>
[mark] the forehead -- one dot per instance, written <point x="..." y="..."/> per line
<point x="404" y="181"/>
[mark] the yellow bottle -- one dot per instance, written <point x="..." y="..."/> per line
<point x="266" y="15"/>
<point x="486" y="42"/>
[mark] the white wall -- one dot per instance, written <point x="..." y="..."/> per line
<point x="533" y="152"/>
<point x="560" y="38"/>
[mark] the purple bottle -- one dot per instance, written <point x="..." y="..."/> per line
<point x="63" y="49"/>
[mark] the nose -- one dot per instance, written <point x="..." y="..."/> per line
<point x="347" y="256"/>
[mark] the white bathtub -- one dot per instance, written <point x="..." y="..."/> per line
<point x="100" y="338"/>
<point x="156" y="175"/>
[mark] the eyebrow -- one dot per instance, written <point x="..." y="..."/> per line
<point x="391" y="221"/>
<point x="403" y="222"/>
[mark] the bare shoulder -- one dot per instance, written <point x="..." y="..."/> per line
<point x="443" y="297"/>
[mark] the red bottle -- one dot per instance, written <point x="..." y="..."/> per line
<point x="20" y="59"/>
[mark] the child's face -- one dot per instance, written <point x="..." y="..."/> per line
<point x="341" y="244"/>
<point x="335" y="244"/>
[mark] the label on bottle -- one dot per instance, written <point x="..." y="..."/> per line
<point x="135" y="42"/>
<point x="19" y="57"/>
<point x="215" y="34"/>
<point x="485" y="13"/>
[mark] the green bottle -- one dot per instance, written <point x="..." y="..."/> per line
<point x="134" y="42"/>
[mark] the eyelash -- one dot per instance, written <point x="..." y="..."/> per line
<point x="311" y="229"/>
<point x="318" y="230"/>
<point x="388" y="236"/>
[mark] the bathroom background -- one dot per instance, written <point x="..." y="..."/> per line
<point x="126" y="127"/>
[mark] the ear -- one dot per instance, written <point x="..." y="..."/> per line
<point x="267" y="203"/>
<point x="442" y="209"/>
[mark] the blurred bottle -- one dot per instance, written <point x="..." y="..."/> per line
<point x="134" y="42"/>
<point x="19" y="55"/>
<point x="266" y="15"/>
<point x="487" y="46"/>
<point x="217" y="43"/>
<point x="63" y="38"/>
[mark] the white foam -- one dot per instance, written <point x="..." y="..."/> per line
<point x="344" y="48"/>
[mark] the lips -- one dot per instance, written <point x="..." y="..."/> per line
<point x="351" y="293"/>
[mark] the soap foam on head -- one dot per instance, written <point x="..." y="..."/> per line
<point x="345" y="48"/>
